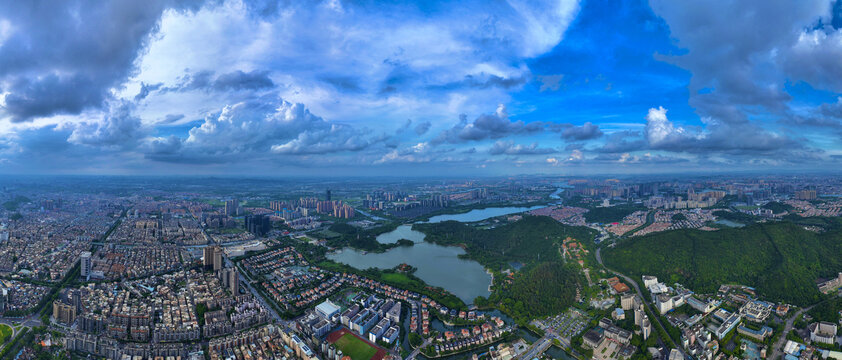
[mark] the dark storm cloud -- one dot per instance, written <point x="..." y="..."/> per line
<point x="343" y="83"/>
<point x="718" y="137"/>
<point x="41" y="97"/>
<point x="70" y="146"/>
<point x="423" y="127"/>
<point x="233" y="81"/>
<point x="64" y="57"/>
<point x="828" y="115"/>
<point x="400" y="76"/>
<point x="622" y="142"/>
<point x="486" y="126"/>
<point x="118" y="129"/>
<point x="574" y="146"/>
<point x="732" y="64"/>
<point x="833" y="110"/>
<point x="145" y="89"/>
<point x="168" y="145"/>
<point x="587" y="131"/>
<point x="43" y="141"/>
<point x="238" y="80"/>
<point x="814" y="121"/>
<point x="482" y="81"/>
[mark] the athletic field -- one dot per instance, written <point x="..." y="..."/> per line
<point x="355" y="346"/>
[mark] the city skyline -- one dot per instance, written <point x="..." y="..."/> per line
<point x="419" y="89"/>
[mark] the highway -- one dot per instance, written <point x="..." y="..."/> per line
<point x="639" y="293"/>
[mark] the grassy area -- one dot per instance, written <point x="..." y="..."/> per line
<point x="327" y="234"/>
<point x="397" y="279"/>
<point x="355" y="348"/>
<point x="5" y="333"/>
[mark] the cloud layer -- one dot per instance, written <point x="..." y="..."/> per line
<point x="180" y="86"/>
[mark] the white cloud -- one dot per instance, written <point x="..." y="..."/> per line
<point x="659" y="129"/>
<point x="468" y="55"/>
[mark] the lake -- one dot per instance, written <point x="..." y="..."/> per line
<point x="402" y="232"/>
<point x="728" y="223"/>
<point x="437" y="265"/>
<point x="482" y="214"/>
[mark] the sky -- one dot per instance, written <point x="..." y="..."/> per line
<point x="427" y="88"/>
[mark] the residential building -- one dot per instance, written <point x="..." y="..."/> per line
<point x="85" y="265"/>
<point x="64" y="313"/>
<point x="627" y="301"/>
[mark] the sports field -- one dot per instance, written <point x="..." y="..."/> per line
<point x="354" y="346"/>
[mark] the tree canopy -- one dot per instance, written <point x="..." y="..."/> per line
<point x="782" y="260"/>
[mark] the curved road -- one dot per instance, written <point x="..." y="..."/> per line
<point x="417" y="350"/>
<point x="639" y="293"/>
<point x="777" y="351"/>
<point x="30" y="321"/>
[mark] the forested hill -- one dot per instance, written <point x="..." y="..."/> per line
<point x="782" y="259"/>
<point x="538" y="291"/>
<point x="530" y="240"/>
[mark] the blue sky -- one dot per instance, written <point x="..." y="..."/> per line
<point x="419" y="88"/>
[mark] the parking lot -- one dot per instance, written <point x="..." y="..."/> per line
<point x="567" y="325"/>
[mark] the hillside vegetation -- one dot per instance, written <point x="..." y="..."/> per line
<point x="542" y="290"/>
<point x="363" y="239"/>
<point x="530" y="240"/>
<point x="782" y="259"/>
<point x="611" y="214"/>
<point x="778" y="207"/>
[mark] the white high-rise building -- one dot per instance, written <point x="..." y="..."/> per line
<point x="85" y="263"/>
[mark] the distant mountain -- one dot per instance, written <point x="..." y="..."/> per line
<point x="781" y="260"/>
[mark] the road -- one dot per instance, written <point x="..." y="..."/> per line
<point x="30" y="321"/>
<point x="777" y="350"/>
<point x="418" y="350"/>
<point x="639" y="293"/>
<point x="537" y="348"/>
<point x="247" y="282"/>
